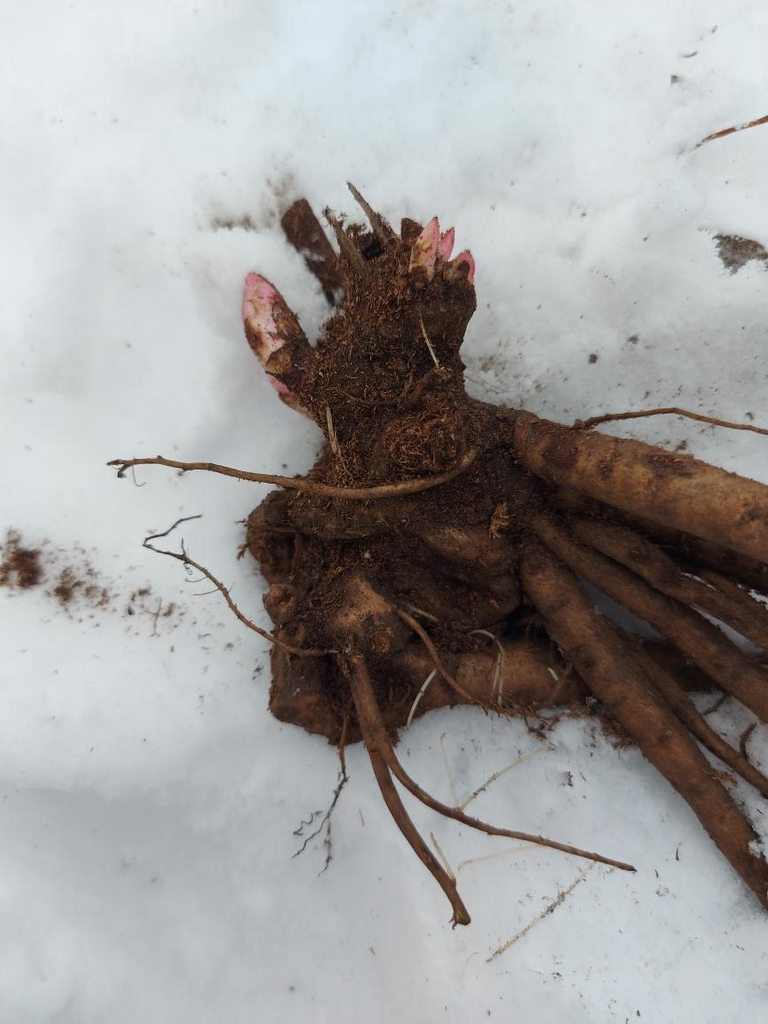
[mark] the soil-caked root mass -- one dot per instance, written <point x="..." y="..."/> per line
<point x="438" y="550"/>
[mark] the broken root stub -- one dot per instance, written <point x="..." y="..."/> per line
<point x="435" y="550"/>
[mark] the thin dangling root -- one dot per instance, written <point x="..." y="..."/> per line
<point x="184" y="557"/>
<point x="440" y="668"/>
<point x="620" y="682"/>
<point x="667" y="410"/>
<point x="377" y="741"/>
<point x="392" y="490"/>
<point x="692" y="634"/>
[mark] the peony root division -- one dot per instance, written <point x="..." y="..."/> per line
<point x="435" y="553"/>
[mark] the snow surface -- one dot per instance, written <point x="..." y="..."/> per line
<point x="148" y="799"/>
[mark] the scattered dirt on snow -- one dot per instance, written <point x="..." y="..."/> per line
<point x="73" y="584"/>
<point x="144" y="602"/>
<point x="244" y="223"/>
<point x="735" y="251"/>
<point x="71" y="580"/>
<point x="76" y="582"/>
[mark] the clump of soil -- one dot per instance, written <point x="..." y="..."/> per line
<point x="735" y="251"/>
<point x="72" y="585"/>
<point x="21" y="567"/>
<point x="25" y="568"/>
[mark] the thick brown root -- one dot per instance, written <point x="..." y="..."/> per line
<point x="620" y="682"/>
<point x="376" y="743"/>
<point x="719" y="596"/>
<point x="686" y="711"/>
<point x="307" y="691"/>
<point x="674" y="490"/>
<point x="531" y="676"/>
<point x="696" y="637"/>
<point x="379" y="749"/>
<point x="695" y="554"/>
<point x="691" y="553"/>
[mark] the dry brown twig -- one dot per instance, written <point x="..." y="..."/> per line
<point x="732" y="131"/>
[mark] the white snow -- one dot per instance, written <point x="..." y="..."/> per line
<point x="148" y="799"/>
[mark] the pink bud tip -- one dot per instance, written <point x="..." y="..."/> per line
<point x="259" y="301"/>
<point x="445" y="245"/>
<point x="465" y="256"/>
<point x="424" y="249"/>
<point x="287" y="395"/>
<point x="281" y="388"/>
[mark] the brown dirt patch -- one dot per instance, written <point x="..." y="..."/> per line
<point x="83" y="585"/>
<point x="70" y="579"/>
<point x="21" y="567"/>
<point x="735" y="251"/>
